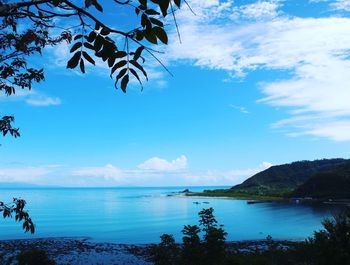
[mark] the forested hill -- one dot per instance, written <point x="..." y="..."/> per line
<point x="334" y="183"/>
<point x="283" y="179"/>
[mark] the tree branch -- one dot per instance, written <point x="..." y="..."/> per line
<point x="6" y="9"/>
<point x="82" y="11"/>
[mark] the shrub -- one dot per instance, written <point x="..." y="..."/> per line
<point x="34" y="257"/>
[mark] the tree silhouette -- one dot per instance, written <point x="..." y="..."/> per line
<point x="331" y="245"/>
<point x="28" y="26"/>
<point x="89" y="36"/>
<point x="210" y="250"/>
<point x="17" y="208"/>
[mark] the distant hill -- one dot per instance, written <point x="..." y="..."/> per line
<point x="17" y="185"/>
<point x="334" y="183"/>
<point x="284" y="179"/>
<point x="21" y="185"/>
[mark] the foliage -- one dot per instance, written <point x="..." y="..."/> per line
<point x="192" y="248"/>
<point x="17" y="208"/>
<point x="6" y="126"/>
<point x="333" y="184"/>
<point x="29" y="26"/>
<point x="283" y="181"/>
<point x="332" y="244"/>
<point x="328" y="246"/>
<point x="195" y="251"/>
<point x="214" y="237"/>
<point x="166" y="252"/>
<point x="34" y="257"/>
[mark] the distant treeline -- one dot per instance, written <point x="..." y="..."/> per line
<point x="320" y="179"/>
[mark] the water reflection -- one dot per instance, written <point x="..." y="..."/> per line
<point x="141" y="215"/>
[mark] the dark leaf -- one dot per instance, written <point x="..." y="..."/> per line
<point x="97" y="5"/>
<point x="138" y="52"/>
<point x="138" y="66"/>
<point x="137" y="76"/>
<point x="97" y="26"/>
<point x="156" y="22"/>
<point x="145" y="22"/>
<point x="56" y="2"/>
<point x="88" y="3"/>
<point x="177" y="3"/>
<point x="120" y="54"/>
<point x="89" y="46"/>
<point x="105" y="31"/>
<point x="121" y="74"/>
<point x="88" y="58"/>
<point x="152" y="12"/>
<point x="164" y="4"/>
<point x="150" y="36"/>
<point x="92" y="36"/>
<point x="138" y="35"/>
<point x="111" y="61"/>
<point x="73" y="62"/>
<point x="78" y="36"/>
<point x="98" y="43"/>
<point x="76" y="46"/>
<point x="124" y="83"/>
<point x="118" y="65"/>
<point x="161" y="34"/>
<point x="82" y="66"/>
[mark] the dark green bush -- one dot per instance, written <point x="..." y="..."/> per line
<point x="34" y="257"/>
<point x="205" y="245"/>
<point x="166" y="252"/>
<point x="194" y="251"/>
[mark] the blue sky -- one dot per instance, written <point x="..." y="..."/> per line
<point x="256" y="83"/>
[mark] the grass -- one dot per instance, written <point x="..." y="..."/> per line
<point x="235" y="195"/>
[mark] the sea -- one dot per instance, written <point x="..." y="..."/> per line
<point x="140" y="215"/>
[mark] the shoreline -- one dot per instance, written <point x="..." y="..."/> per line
<point x="213" y="195"/>
<point x="252" y="199"/>
<point x="81" y="250"/>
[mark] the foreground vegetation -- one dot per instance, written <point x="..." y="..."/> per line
<point x="206" y="245"/>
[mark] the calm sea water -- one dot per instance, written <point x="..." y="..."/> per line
<point x="141" y="215"/>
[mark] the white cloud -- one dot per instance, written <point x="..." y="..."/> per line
<point x="32" y="98"/>
<point x="159" y="172"/>
<point x="228" y="178"/>
<point x="43" y="101"/>
<point x="24" y="174"/>
<point x="318" y="1"/>
<point x="313" y="50"/>
<point x="240" y="108"/>
<point x="258" y="10"/>
<point x="159" y="164"/>
<point x="107" y="172"/>
<point x="341" y="5"/>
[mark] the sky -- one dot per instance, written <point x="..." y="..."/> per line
<point x="255" y="84"/>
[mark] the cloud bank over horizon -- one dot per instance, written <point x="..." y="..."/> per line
<point x="153" y="172"/>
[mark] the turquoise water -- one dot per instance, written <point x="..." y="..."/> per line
<point x="141" y="215"/>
